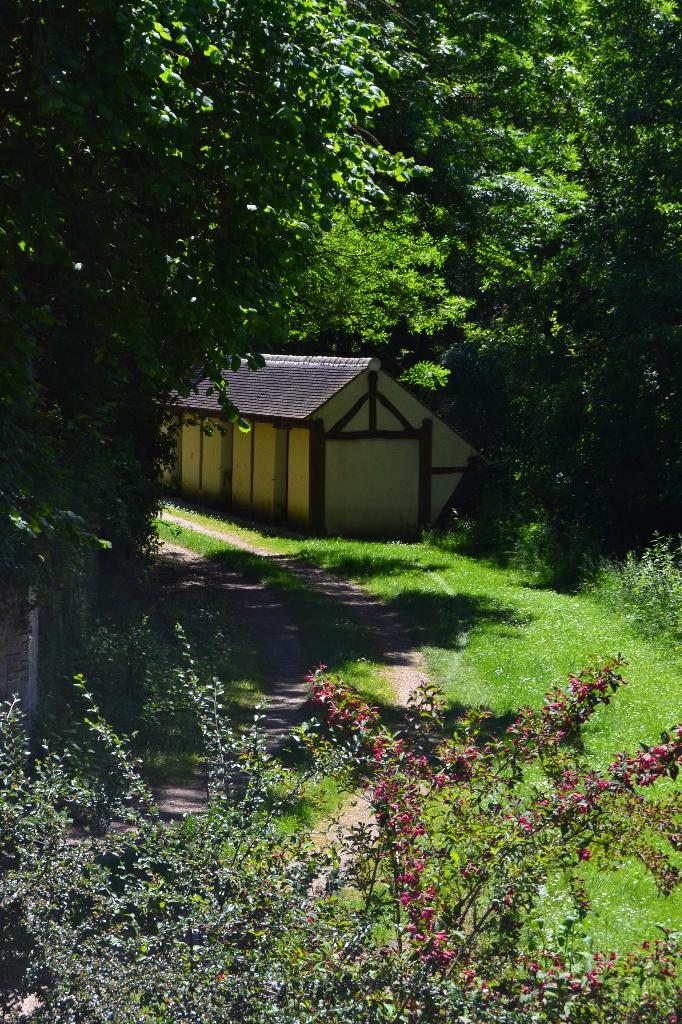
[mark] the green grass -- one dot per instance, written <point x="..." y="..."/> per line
<point x="328" y="633"/>
<point x="490" y="637"/>
<point x="626" y="908"/>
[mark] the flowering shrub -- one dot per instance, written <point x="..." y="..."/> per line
<point x="425" y="912"/>
<point x="464" y="837"/>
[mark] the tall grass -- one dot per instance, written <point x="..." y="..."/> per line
<point x="646" y="588"/>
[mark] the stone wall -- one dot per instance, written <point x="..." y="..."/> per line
<point x="19" y="625"/>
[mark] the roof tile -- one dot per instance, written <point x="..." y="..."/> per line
<point x="291" y="387"/>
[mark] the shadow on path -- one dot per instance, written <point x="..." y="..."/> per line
<point x="392" y="644"/>
<point x="261" y="611"/>
<point x="344" y="622"/>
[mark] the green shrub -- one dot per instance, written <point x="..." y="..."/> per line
<point x="429" y="912"/>
<point x="550" y="553"/>
<point x="647" y="586"/>
<point x="547" y="553"/>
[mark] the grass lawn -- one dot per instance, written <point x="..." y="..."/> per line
<point x="491" y="637"/>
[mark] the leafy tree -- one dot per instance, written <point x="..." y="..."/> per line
<point x="552" y="134"/>
<point x="369" y="276"/>
<point x="165" y="164"/>
<point x="582" y="313"/>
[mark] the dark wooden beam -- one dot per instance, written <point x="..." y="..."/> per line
<point x="252" y="435"/>
<point x="388" y="404"/>
<point x="285" y="518"/>
<point x="201" y="455"/>
<point x="372" y="377"/>
<point x="348" y="416"/>
<point x="425" y="454"/>
<point x="449" y="469"/>
<point x="178" y="453"/>
<point x="316" y="476"/>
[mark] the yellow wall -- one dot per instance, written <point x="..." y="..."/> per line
<point x="298" y="496"/>
<point x="449" y="449"/>
<point x="241" y="469"/>
<point x="269" y="471"/>
<point x="371" y="487"/>
<point x="205" y="460"/>
<point x="342" y="402"/>
<point x="171" y="474"/>
<point x="191" y="458"/>
<point x="226" y="442"/>
<point x="211" y="474"/>
<point x="279" y="504"/>
<point x="264" y="453"/>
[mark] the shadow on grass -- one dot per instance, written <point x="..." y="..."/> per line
<point x="444" y="620"/>
<point x="337" y="635"/>
<point x="376" y="563"/>
<point x="330" y="632"/>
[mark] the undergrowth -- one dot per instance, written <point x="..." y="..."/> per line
<point x="647" y="587"/>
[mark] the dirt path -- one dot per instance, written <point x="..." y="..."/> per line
<point x="285" y="670"/>
<point x="404" y="664"/>
<point x="259" y="605"/>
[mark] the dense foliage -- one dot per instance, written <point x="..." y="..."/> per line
<point x="429" y="910"/>
<point x="647" y="587"/>
<point x="552" y="132"/>
<point x="164" y="164"/>
<point x="183" y="175"/>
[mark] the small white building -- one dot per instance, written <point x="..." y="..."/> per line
<point x="335" y="446"/>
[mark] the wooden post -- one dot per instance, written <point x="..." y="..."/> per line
<point x="372" y="377"/>
<point x="316" y="476"/>
<point x="201" y="455"/>
<point x="281" y="475"/>
<point x="252" y="458"/>
<point x="177" y="469"/>
<point x="285" y="518"/>
<point x="226" y="463"/>
<point x="425" y="447"/>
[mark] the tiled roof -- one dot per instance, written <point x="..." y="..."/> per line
<point x="291" y="387"/>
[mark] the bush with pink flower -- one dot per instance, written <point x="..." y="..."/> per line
<point x="465" y="833"/>
<point x="426" y="911"/>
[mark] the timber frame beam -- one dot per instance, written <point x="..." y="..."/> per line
<point x="316" y="478"/>
<point x="425" y="455"/>
<point x="371" y="397"/>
